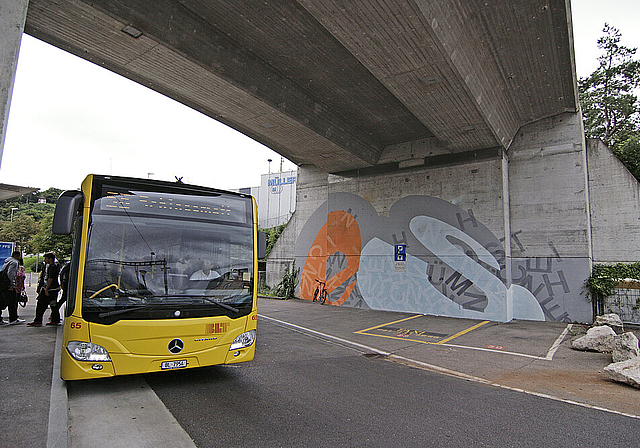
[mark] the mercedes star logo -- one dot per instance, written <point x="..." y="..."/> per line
<point x="176" y="346"/>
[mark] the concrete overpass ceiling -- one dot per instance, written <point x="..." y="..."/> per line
<point x="292" y="42"/>
<point x="339" y="85"/>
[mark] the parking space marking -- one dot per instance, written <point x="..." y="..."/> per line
<point x="388" y="323"/>
<point x="482" y="349"/>
<point x="460" y="333"/>
<point x="404" y="335"/>
<point x="556" y="344"/>
<point x="442" y="343"/>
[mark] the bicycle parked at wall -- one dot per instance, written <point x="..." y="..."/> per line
<point x="320" y="295"/>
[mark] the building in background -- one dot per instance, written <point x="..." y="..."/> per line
<point x="276" y="198"/>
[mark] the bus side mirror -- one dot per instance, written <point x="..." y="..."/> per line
<point x="262" y="245"/>
<point x="68" y="205"/>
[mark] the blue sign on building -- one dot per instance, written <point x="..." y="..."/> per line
<point x="401" y="252"/>
<point x="5" y="251"/>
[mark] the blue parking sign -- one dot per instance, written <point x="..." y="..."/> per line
<point x="401" y="252"/>
<point x="5" y="251"/>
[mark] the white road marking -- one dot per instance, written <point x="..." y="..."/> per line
<point x="453" y="373"/>
<point x="556" y="344"/>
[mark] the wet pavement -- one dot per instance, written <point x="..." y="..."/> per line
<point x="531" y="357"/>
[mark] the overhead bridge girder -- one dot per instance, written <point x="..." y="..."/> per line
<point x="335" y="85"/>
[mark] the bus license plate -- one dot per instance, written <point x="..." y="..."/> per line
<point x="173" y="364"/>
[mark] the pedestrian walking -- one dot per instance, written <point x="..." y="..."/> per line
<point x="64" y="284"/>
<point x="21" y="275"/>
<point x="48" y="287"/>
<point x="9" y="297"/>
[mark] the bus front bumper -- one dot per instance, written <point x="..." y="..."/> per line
<point x="128" y="363"/>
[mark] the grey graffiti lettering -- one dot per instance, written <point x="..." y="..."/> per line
<point x="461" y="287"/>
<point x="538" y="265"/>
<point x="514" y="238"/>
<point x="402" y="240"/>
<point x="562" y="282"/>
<point x="471" y="219"/>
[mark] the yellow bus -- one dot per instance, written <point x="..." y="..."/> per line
<point x="163" y="276"/>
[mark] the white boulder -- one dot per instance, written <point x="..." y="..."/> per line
<point x="597" y="339"/>
<point x="625" y="346"/>
<point x="612" y="320"/>
<point x="627" y="372"/>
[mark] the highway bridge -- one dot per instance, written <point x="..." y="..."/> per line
<point x="446" y="129"/>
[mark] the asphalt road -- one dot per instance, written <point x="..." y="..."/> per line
<point x="303" y="390"/>
<point x="26" y="357"/>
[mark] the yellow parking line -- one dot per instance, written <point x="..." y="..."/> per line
<point x="460" y="333"/>
<point x="394" y="337"/>
<point x="388" y="323"/>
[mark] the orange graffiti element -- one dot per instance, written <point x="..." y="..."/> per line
<point x="341" y="233"/>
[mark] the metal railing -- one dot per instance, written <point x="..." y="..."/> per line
<point x="625" y="302"/>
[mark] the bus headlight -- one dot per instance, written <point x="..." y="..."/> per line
<point x="86" y="351"/>
<point x="244" y="340"/>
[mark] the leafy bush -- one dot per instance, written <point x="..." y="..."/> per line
<point x="604" y="279"/>
<point x="287" y="286"/>
<point x="273" y="233"/>
<point x="264" y="289"/>
<point x="30" y="263"/>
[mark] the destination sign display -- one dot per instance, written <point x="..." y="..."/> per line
<point x="214" y="208"/>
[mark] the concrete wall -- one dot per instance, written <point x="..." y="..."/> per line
<point x="311" y="193"/>
<point x="615" y="207"/>
<point x="549" y="213"/>
<point x="451" y="217"/>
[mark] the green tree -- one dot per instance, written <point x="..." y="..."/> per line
<point x="19" y="231"/>
<point x="629" y="153"/>
<point x="273" y="233"/>
<point x="609" y="107"/>
<point x="28" y="204"/>
<point x="51" y="195"/>
<point x="46" y="241"/>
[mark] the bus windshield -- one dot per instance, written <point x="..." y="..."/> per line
<point x="152" y="256"/>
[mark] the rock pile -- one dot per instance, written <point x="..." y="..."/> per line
<point x="624" y="348"/>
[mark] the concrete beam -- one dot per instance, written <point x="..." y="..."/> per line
<point x="340" y="86"/>
<point x="12" y="18"/>
<point x="186" y="58"/>
<point x="457" y="65"/>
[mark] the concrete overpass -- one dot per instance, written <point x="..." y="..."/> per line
<point x="454" y="115"/>
<point x="348" y="79"/>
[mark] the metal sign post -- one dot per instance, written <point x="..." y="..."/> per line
<point x="400" y="257"/>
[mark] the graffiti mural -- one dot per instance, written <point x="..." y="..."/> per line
<point x="454" y="265"/>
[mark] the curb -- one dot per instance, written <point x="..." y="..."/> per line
<point x="58" y="429"/>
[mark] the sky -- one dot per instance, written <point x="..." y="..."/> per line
<point x="69" y="118"/>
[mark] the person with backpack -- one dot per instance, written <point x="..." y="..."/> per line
<point x="8" y="275"/>
<point x="47" y="289"/>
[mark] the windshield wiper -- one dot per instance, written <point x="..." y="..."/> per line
<point x="223" y="305"/>
<point x="186" y="296"/>
<point x="121" y="311"/>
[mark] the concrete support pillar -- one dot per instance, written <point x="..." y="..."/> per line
<point x="549" y="213"/>
<point x="311" y="194"/>
<point x="506" y="213"/>
<point x="13" y="14"/>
